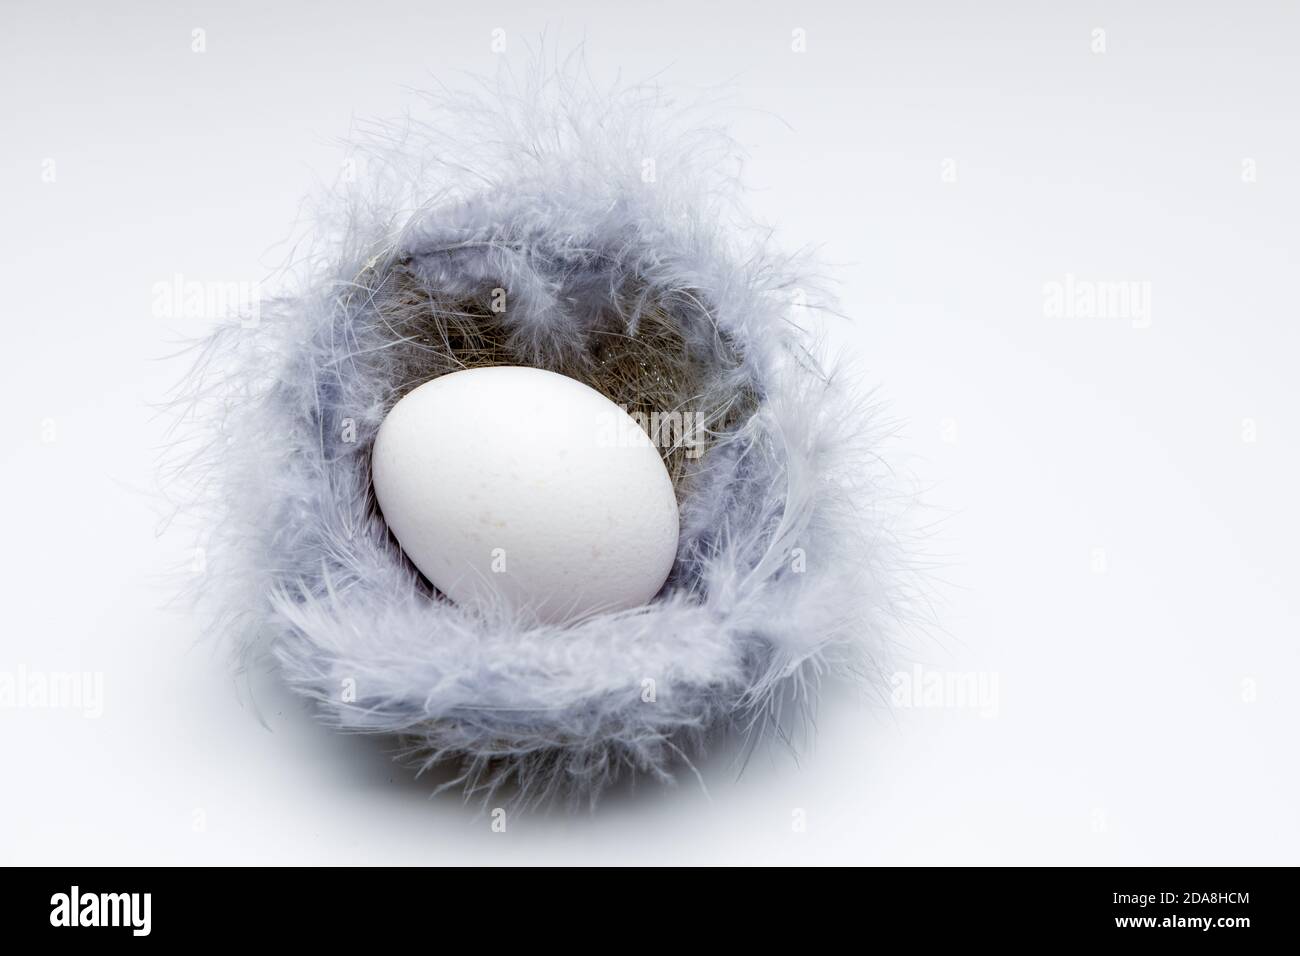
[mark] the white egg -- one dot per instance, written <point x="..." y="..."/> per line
<point x="521" y="485"/>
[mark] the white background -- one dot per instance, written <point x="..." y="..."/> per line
<point x="1111" y="548"/>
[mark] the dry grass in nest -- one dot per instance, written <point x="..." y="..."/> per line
<point x="651" y="374"/>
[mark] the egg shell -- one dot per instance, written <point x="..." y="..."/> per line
<point x="523" y="486"/>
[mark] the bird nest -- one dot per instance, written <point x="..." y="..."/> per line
<point x="532" y="236"/>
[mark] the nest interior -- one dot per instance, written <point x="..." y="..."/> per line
<point x="632" y="351"/>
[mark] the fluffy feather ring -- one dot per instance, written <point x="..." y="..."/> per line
<point x="609" y="225"/>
